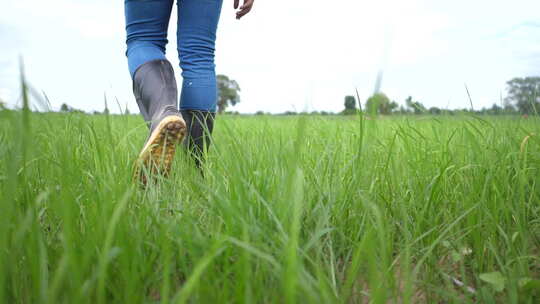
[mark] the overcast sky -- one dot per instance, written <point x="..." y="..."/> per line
<point x="301" y="55"/>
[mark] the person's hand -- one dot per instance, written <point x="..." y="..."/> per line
<point x="244" y="9"/>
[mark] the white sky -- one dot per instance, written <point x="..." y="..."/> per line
<point x="286" y="55"/>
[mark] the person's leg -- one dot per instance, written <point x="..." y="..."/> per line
<point x="147" y="22"/>
<point x="154" y="84"/>
<point x="200" y="125"/>
<point x="196" y="35"/>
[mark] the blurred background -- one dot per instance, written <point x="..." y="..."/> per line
<point x="302" y="55"/>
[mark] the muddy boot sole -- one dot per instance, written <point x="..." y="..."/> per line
<point x="157" y="155"/>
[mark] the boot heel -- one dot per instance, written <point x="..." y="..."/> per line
<point x="158" y="153"/>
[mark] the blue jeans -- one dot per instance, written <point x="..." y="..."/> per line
<point x="146" y="27"/>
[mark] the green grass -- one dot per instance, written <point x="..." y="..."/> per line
<point x="291" y="209"/>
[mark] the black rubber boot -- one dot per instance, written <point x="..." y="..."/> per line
<point x="154" y="87"/>
<point x="200" y="125"/>
<point x="155" y="90"/>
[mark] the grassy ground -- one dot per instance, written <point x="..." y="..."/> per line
<point x="291" y="209"/>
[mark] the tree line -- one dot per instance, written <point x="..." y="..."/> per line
<point x="523" y="98"/>
<point x="380" y="104"/>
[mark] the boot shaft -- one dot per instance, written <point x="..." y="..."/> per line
<point x="155" y="90"/>
<point x="200" y="125"/>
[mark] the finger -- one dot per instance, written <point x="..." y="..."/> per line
<point x="236" y="3"/>
<point x="242" y="13"/>
<point x="247" y="3"/>
<point x="244" y="9"/>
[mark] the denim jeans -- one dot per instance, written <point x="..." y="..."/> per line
<point x="146" y="28"/>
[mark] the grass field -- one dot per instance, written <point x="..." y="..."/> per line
<point x="336" y="209"/>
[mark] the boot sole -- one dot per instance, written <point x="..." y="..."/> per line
<point x="158" y="152"/>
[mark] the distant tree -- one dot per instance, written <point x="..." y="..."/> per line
<point x="229" y="92"/>
<point x="409" y="103"/>
<point x="386" y="107"/>
<point x="65" y="108"/>
<point x="350" y="103"/>
<point x="403" y="110"/>
<point x="495" y="110"/>
<point x="379" y="104"/>
<point x="259" y="113"/>
<point x="392" y="107"/>
<point x="525" y="94"/>
<point x="69" y="109"/>
<point x="509" y="109"/>
<point x="2" y="105"/>
<point x="415" y="106"/>
<point x="434" y="111"/>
